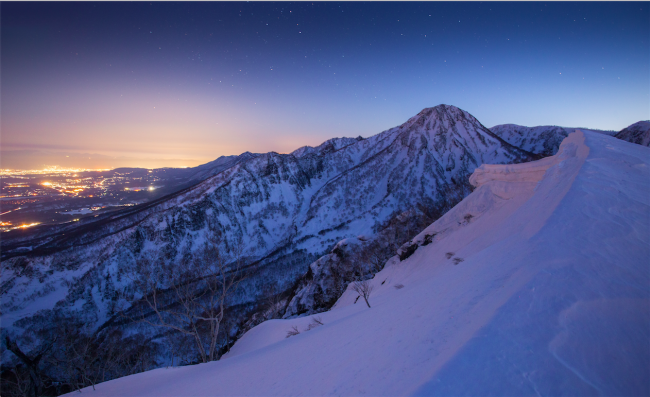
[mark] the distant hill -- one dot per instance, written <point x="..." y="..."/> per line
<point x="638" y="133"/>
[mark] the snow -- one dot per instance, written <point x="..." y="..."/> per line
<point x="551" y="297"/>
<point x="279" y="205"/>
<point x="638" y="133"/>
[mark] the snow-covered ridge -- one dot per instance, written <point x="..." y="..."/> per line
<point x="542" y="292"/>
<point x="331" y="145"/>
<point x="544" y="140"/>
<point x="495" y="183"/>
<point x="526" y="172"/>
<point x="287" y="210"/>
<point x="638" y="133"/>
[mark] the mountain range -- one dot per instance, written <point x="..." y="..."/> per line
<point x="279" y="212"/>
<point x="534" y="284"/>
<point x="288" y="209"/>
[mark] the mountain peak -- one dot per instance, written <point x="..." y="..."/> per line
<point x="442" y="107"/>
<point x="441" y="114"/>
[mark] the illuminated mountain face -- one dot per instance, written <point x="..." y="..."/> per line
<point x="286" y="209"/>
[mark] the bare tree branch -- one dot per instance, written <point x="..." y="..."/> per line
<point x="189" y="296"/>
<point x="363" y="288"/>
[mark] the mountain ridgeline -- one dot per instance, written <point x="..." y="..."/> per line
<point x="286" y="210"/>
<point x="274" y="213"/>
<point x="638" y="133"/>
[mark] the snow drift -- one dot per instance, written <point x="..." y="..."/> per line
<point x="536" y="284"/>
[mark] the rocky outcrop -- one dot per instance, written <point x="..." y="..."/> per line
<point x="326" y="279"/>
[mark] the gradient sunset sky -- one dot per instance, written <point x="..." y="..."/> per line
<point x="180" y="84"/>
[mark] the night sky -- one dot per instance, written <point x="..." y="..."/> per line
<point x="179" y="84"/>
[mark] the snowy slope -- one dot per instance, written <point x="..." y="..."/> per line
<point x="638" y="133"/>
<point x="221" y="164"/>
<point x="330" y="145"/>
<point x="287" y="209"/>
<point x="535" y="284"/>
<point x="543" y="140"/>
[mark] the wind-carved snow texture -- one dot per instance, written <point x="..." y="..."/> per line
<point x="638" y="133"/>
<point x="287" y="209"/>
<point x="550" y="298"/>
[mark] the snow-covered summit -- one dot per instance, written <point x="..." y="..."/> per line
<point x="287" y="209"/>
<point x="535" y="284"/>
<point x="441" y="115"/>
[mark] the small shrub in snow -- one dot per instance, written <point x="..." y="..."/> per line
<point x="315" y="322"/>
<point x="363" y="288"/>
<point x="428" y="238"/>
<point x="399" y="286"/>
<point x="293" y="331"/>
<point x="458" y="260"/>
<point x="449" y="254"/>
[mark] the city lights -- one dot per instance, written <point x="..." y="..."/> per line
<point x="49" y="170"/>
<point x="54" y="194"/>
<point x="7" y="226"/>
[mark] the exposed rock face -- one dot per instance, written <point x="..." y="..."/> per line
<point x="355" y="259"/>
<point x="638" y="133"/>
<point x="326" y="279"/>
<point x="286" y="209"/>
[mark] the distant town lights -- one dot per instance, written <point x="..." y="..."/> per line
<point x="50" y="170"/>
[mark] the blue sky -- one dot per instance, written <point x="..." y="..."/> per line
<point x="188" y="82"/>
